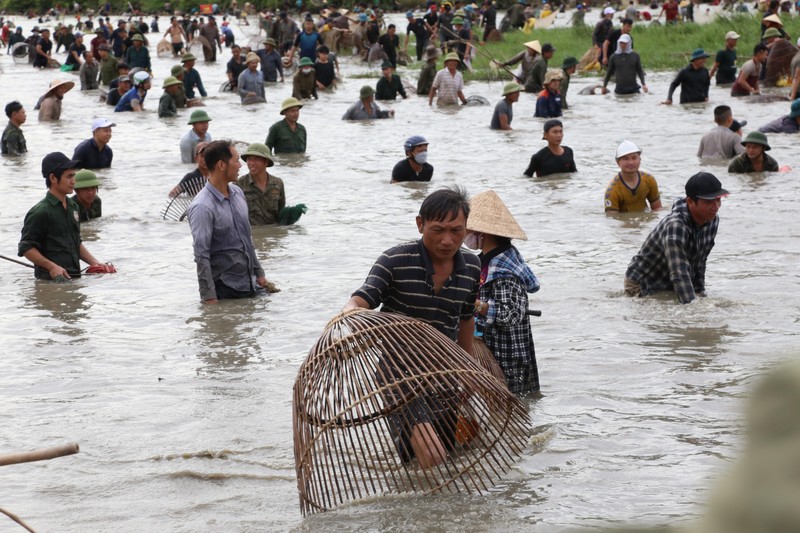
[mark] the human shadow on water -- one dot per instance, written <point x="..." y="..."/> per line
<point x="65" y="303"/>
<point x="418" y="190"/>
<point x="272" y="238"/>
<point x="634" y="220"/>
<point x="688" y="346"/>
<point x="226" y="334"/>
<point x="291" y="160"/>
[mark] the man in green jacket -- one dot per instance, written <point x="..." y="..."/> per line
<point x="287" y="136"/>
<point x="51" y="236"/>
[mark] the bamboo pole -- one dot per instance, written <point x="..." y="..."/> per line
<point x="16" y="519"/>
<point x="38" y="455"/>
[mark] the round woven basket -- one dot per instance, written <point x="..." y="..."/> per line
<point x="366" y="384"/>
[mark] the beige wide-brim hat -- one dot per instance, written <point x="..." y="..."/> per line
<point x="290" y="103"/>
<point x="552" y="75"/>
<point x="55" y="84"/>
<point x="536" y="46"/>
<point x="773" y="18"/>
<point x="488" y="214"/>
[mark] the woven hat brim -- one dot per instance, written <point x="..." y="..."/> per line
<point x="488" y="214"/>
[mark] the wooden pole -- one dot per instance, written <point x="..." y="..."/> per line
<point x="16" y="519"/>
<point x="38" y="455"/>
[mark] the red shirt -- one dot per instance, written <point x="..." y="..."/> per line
<point x="671" y="10"/>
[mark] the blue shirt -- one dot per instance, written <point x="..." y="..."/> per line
<point x="271" y="64"/>
<point x="222" y="242"/>
<point x="124" y="103"/>
<point x="191" y="80"/>
<point x="548" y="104"/>
<point x="307" y="43"/>
<point x="91" y="157"/>
<point x="251" y="81"/>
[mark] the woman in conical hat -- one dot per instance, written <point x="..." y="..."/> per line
<point x="502" y="305"/>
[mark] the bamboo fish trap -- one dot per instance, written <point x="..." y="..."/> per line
<point x="373" y="379"/>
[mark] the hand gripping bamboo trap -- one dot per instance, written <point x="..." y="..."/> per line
<point x="371" y="387"/>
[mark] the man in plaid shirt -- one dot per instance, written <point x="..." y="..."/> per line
<point x="673" y="257"/>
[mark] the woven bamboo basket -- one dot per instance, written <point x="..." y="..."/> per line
<point x="369" y="379"/>
<point x="483" y="355"/>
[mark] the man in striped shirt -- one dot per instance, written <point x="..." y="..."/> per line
<point x="431" y="280"/>
<point x="673" y="257"/>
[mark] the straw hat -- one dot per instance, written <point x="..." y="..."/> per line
<point x="552" y="75"/>
<point x="773" y="18"/>
<point x="250" y="57"/>
<point x="290" y="103"/>
<point x="488" y="214"/>
<point x="58" y="83"/>
<point x="536" y="46"/>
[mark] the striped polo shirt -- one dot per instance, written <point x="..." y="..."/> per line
<point x="402" y="280"/>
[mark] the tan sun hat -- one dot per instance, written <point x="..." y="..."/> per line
<point x="55" y="84"/>
<point x="290" y="103"/>
<point x="552" y="75"/>
<point x="250" y="57"/>
<point x="536" y="46"/>
<point x="773" y="18"/>
<point x="488" y="214"/>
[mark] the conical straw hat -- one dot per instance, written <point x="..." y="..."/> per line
<point x="488" y="214"/>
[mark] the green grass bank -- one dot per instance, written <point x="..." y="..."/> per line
<point x="660" y="47"/>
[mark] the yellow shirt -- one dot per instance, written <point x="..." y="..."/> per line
<point x="620" y="197"/>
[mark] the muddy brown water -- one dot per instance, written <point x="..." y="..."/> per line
<point x="183" y="412"/>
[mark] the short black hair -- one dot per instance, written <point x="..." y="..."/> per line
<point x="628" y="21"/>
<point x="323" y="50"/>
<point x="391" y="27"/>
<point x="722" y="113"/>
<point x="445" y="204"/>
<point x="760" y="47"/>
<point x="217" y="151"/>
<point x="12" y="107"/>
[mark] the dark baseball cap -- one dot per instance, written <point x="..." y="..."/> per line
<point x="706" y="186"/>
<point x="56" y="163"/>
<point x="547" y="47"/>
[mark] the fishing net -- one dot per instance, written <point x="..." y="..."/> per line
<point x="181" y="198"/>
<point x="778" y="62"/>
<point x="253" y="99"/>
<point x="164" y="49"/>
<point x="370" y="387"/>
<point x="20" y="52"/>
<point x="476" y="100"/>
<point x="197" y="45"/>
<point x="291" y="214"/>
